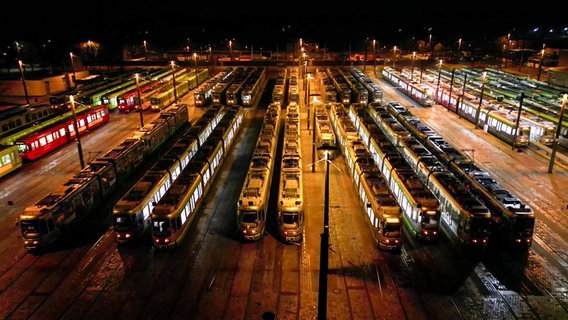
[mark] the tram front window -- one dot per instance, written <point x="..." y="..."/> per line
<point x="524" y="227"/>
<point x="161" y="227"/>
<point x="429" y="222"/>
<point x="480" y="228"/>
<point x="249" y="216"/>
<point x="289" y="217"/>
<point x="33" y="228"/>
<point x="392" y="230"/>
<point x="122" y="221"/>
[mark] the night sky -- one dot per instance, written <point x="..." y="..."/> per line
<point x="265" y="24"/>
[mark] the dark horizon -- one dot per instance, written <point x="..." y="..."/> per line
<point x="169" y="24"/>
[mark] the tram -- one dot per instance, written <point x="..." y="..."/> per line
<point x="176" y="210"/>
<point x="203" y="93"/>
<point x="253" y="86"/>
<point x="19" y="117"/>
<point x="290" y="202"/>
<point x="420" y="208"/>
<point x="252" y="206"/>
<point x="325" y="137"/>
<point x="131" y="214"/>
<point x="465" y="218"/>
<point x="376" y="198"/>
<point x="40" y="143"/>
<point x="10" y="160"/>
<point x="188" y="81"/>
<point x="61" y="212"/>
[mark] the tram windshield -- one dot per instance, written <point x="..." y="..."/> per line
<point x="524" y="227"/>
<point x="122" y="221"/>
<point x="429" y="221"/>
<point x="161" y="227"/>
<point x="290" y="218"/>
<point x="392" y="230"/>
<point x="480" y="227"/>
<point x="249" y="216"/>
<point x="33" y="227"/>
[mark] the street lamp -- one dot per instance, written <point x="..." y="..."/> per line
<point x="211" y="56"/>
<point x="76" y="128"/>
<point x="412" y="70"/>
<point x="231" y="49"/>
<point x="174" y="79"/>
<point x="502" y="62"/>
<point x="90" y="46"/>
<point x="314" y="134"/>
<point x="324" y="244"/>
<point x="21" y="65"/>
<point x="430" y="45"/>
<point x="540" y="64"/>
<point x="307" y="99"/>
<point x="508" y="48"/>
<point x="145" y="50"/>
<point x="139" y="101"/>
<point x="394" y="56"/>
<point x="557" y="135"/>
<point x="521" y="97"/>
<point x="73" y="69"/>
<point x="480" y="99"/>
<point x="461" y="95"/>
<point x="374" y="55"/>
<point x="438" y="85"/>
<point x="195" y="64"/>
<point x="365" y="59"/>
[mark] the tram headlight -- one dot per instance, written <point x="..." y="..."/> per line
<point x="31" y="242"/>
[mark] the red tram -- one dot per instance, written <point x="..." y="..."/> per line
<point x="38" y="144"/>
<point x="129" y="101"/>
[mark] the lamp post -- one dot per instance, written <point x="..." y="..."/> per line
<point x="430" y="45"/>
<point x="412" y="70"/>
<point x="461" y="95"/>
<point x="211" y="56"/>
<point x="307" y="98"/>
<point x="365" y="58"/>
<point x="195" y="67"/>
<point x="374" y="55"/>
<point x="145" y="50"/>
<point x="21" y="65"/>
<point x="324" y="256"/>
<point x="451" y="89"/>
<point x="73" y="70"/>
<point x="459" y="45"/>
<point x="557" y="134"/>
<point x="231" y="49"/>
<point x="174" y="79"/>
<point x="139" y="101"/>
<point x="540" y="64"/>
<point x="324" y="244"/>
<point x="438" y="85"/>
<point x="394" y="57"/>
<point x="502" y="62"/>
<point x="90" y="46"/>
<point x="518" y="119"/>
<point x="480" y="99"/>
<point x="508" y="49"/>
<point x="314" y="138"/>
<point x="76" y="128"/>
